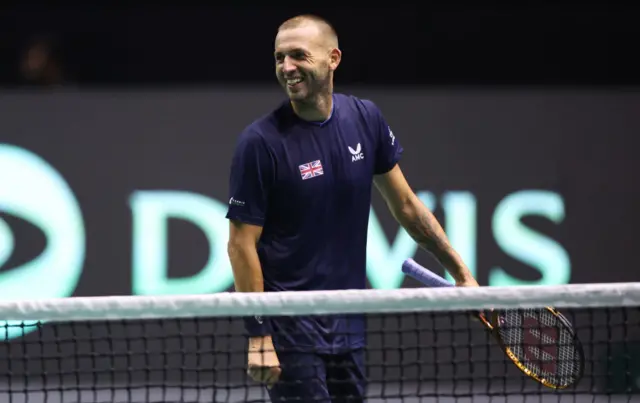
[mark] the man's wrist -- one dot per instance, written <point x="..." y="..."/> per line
<point x="460" y="272"/>
<point x="464" y="277"/>
<point x="257" y="326"/>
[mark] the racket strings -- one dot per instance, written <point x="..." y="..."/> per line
<point x="542" y="344"/>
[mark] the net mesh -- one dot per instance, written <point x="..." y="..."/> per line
<point x="421" y="345"/>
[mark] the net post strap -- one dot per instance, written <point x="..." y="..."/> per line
<point x="228" y="304"/>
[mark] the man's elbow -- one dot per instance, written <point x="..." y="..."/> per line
<point x="238" y="246"/>
<point x="232" y="249"/>
<point x="242" y="237"/>
<point x="408" y="208"/>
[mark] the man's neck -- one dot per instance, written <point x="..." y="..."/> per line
<point x="317" y="110"/>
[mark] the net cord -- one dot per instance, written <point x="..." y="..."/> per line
<point x="232" y="304"/>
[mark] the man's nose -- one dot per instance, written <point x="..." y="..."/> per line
<point x="288" y="66"/>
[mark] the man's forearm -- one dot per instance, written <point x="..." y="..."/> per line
<point x="247" y="277"/>
<point x="425" y="229"/>
<point x="247" y="272"/>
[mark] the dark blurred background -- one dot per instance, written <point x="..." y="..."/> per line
<point x="395" y="43"/>
<point x="117" y="126"/>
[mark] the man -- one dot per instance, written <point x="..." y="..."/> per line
<point x="300" y="195"/>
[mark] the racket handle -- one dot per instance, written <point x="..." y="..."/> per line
<point x="424" y="275"/>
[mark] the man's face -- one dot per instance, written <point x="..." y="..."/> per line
<point x="303" y="62"/>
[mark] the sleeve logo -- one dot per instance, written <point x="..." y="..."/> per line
<point x="235" y="202"/>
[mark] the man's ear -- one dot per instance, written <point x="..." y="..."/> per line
<point x="335" y="58"/>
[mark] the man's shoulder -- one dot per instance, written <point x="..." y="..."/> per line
<point x="269" y="126"/>
<point x="356" y="104"/>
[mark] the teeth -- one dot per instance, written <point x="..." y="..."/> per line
<point x="294" y="81"/>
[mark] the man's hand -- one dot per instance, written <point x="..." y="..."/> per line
<point x="263" y="364"/>
<point x="467" y="282"/>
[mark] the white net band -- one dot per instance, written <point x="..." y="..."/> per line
<point x="421" y="345"/>
<point x="322" y="302"/>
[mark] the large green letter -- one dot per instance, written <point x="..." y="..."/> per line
<point x="151" y="210"/>
<point x="521" y="242"/>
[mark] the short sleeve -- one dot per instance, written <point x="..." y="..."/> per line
<point x="388" y="150"/>
<point x="250" y="179"/>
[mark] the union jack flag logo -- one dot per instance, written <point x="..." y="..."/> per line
<point x="311" y="170"/>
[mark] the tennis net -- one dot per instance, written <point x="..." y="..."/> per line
<point x="422" y="345"/>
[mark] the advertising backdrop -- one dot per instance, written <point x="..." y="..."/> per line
<point x="108" y="193"/>
<point x="124" y="193"/>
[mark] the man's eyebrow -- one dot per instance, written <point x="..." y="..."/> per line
<point x="289" y="51"/>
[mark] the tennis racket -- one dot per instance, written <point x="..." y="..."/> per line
<point x="541" y="342"/>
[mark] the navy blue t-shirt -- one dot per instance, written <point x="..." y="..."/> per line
<point x="309" y="186"/>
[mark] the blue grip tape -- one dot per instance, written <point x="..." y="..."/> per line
<point x="411" y="268"/>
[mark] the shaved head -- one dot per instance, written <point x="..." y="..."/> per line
<point x="306" y="55"/>
<point x="325" y="29"/>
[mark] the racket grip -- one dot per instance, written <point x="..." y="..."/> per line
<point x="424" y="275"/>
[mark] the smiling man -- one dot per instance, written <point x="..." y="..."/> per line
<point x="300" y="195"/>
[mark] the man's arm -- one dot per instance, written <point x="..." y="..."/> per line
<point x="249" y="186"/>
<point x="421" y="224"/>
<point x="243" y="255"/>
<point x="263" y="364"/>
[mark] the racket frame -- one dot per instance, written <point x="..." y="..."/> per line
<point x="491" y="323"/>
<point x="494" y="324"/>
